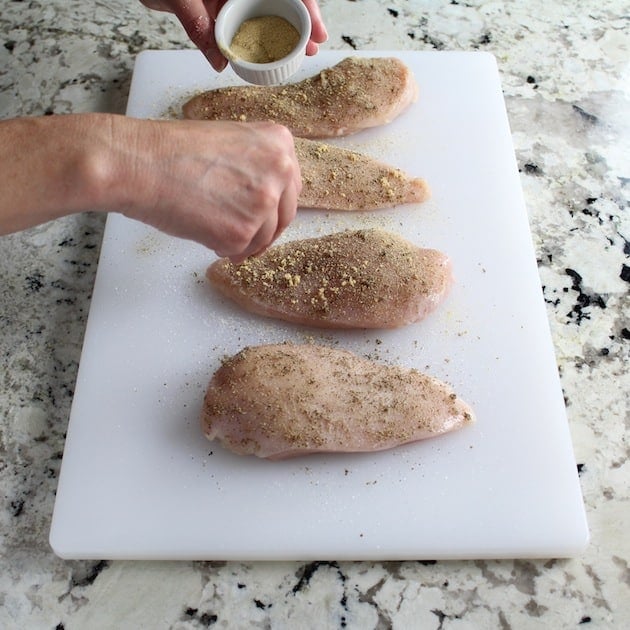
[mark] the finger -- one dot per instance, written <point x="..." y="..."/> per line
<point x="216" y="59"/>
<point x="276" y="224"/>
<point x="318" y="30"/>
<point x="156" y="5"/>
<point x="273" y="227"/>
<point x="287" y="209"/>
<point x="195" y="19"/>
<point x="259" y="243"/>
<point x="287" y="206"/>
<point x="198" y="22"/>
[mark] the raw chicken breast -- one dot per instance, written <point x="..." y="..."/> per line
<point x="351" y="279"/>
<point x="338" y="179"/>
<point x="283" y="400"/>
<point x="355" y="94"/>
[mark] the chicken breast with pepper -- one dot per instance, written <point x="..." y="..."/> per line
<point x="355" y="94"/>
<point x="284" y="400"/>
<point x="334" y="178"/>
<point x="352" y="279"/>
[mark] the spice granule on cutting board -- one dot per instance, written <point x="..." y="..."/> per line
<point x="264" y="39"/>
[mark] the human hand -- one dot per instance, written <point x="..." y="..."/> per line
<point x="198" y="18"/>
<point x="231" y="186"/>
<point x="318" y="30"/>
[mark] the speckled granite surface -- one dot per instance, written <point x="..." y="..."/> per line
<point x="565" y="68"/>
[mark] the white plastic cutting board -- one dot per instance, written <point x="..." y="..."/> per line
<point x="139" y="480"/>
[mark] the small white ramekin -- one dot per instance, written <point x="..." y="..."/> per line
<point x="235" y="12"/>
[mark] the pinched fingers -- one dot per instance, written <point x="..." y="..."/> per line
<point x="289" y="169"/>
<point x="232" y="187"/>
<point x="257" y="245"/>
<point x="275" y="225"/>
<point x="271" y="220"/>
<point x="269" y="206"/>
<point x="287" y="207"/>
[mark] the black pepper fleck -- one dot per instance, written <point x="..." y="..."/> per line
<point x="532" y="169"/>
<point x="34" y="282"/>
<point x="17" y="507"/>
<point x="486" y="38"/>
<point x="588" y="117"/>
<point x="207" y="619"/>
<point x="348" y="40"/>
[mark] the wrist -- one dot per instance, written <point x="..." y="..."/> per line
<point x="97" y="168"/>
<point x="119" y="170"/>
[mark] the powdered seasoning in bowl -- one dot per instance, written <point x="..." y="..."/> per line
<point x="264" y="41"/>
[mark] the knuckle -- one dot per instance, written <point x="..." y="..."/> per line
<point x="237" y="238"/>
<point x="266" y="197"/>
<point x="284" y="135"/>
<point x="282" y="139"/>
<point x="285" y="166"/>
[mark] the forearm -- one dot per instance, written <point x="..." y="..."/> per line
<point x="231" y="186"/>
<point x="53" y="166"/>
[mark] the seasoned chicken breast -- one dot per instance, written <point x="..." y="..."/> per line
<point x="351" y="279"/>
<point x="338" y="179"/>
<point x="283" y="400"/>
<point x="355" y="94"/>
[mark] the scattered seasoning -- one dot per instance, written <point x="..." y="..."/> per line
<point x="339" y="98"/>
<point x="341" y="179"/>
<point x="369" y="278"/>
<point x="254" y="406"/>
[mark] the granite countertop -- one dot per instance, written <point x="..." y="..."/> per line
<point x="565" y="71"/>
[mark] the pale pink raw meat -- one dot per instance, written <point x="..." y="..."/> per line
<point x="352" y="279"/>
<point x="355" y="94"/>
<point x="283" y="400"/>
<point x="334" y="178"/>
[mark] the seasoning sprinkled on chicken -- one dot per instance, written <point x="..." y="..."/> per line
<point x="355" y="94"/>
<point x="284" y="400"/>
<point x="339" y="179"/>
<point x="352" y="279"/>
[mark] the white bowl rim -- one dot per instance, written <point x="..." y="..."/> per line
<point x="300" y="48"/>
